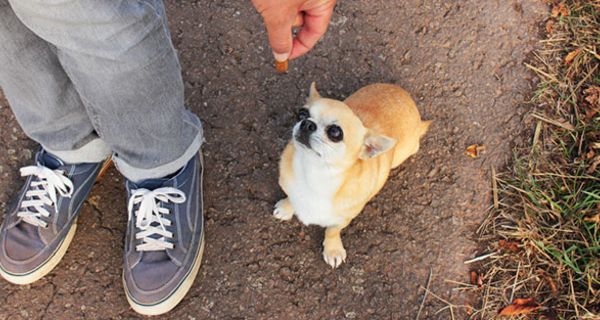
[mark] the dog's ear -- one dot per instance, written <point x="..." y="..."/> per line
<point x="313" y="94"/>
<point x="374" y="145"/>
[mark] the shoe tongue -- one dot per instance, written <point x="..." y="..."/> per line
<point x="49" y="161"/>
<point x="152" y="184"/>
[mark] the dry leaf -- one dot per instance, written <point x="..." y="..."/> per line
<point x="589" y="114"/>
<point x="475" y="150"/>
<point x="512" y="246"/>
<point x="476" y="278"/>
<point x="559" y="10"/>
<point x="572" y="55"/>
<point x="592" y="96"/>
<point x="595" y="218"/>
<point x="520" y="306"/>
<point x="550" y="26"/>
<point x="590" y="154"/>
<point x="594" y="165"/>
<point x="473" y="277"/>
<point x="552" y="285"/>
<point x="469" y="309"/>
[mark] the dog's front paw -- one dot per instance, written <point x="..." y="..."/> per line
<point x="283" y="210"/>
<point x="334" y="255"/>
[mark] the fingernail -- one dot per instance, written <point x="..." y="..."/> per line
<point x="281" y="56"/>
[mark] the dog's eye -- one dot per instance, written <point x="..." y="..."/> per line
<point x="335" y="133"/>
<point x="303" y="114"/>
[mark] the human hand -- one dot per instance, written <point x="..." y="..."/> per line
<point x="311" y="16"/>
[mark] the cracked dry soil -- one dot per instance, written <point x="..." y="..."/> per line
<point x="463" y="63"/>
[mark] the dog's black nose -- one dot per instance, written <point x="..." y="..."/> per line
<point x="308" y="126"/>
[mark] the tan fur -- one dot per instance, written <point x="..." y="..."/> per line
<point x="373" y="111"/>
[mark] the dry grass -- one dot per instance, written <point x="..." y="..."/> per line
<point x="548" y="206"/>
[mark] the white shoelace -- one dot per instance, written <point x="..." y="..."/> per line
<point x="43" y="192"/>
<point x="150" y="212"/>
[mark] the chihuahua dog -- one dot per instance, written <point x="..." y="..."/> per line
<point x="341" y="154"/>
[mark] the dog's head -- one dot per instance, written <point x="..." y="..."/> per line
<point x="329" y="129"/>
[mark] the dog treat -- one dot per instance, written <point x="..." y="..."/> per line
<point x="281" y="66"/>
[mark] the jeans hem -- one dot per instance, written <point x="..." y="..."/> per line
<point x="137" y="175"/>
<point x="92" y="152"/>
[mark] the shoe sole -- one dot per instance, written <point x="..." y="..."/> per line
<point x="53" y="261"/>
<point x="175" y="298"/>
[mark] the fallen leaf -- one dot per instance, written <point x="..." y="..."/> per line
<point x="512" y="246"/>
<point x="473" y="277"/>
<point x="520" y="306"/>
<point x="475" y="150"/>
<point x="469" y="309"/>
<point x="559" y="10"/>
<point x="552" y="285"/>
<point x="590" y="154"/>
<point x="476" y="278"/>
<point x="592" y="96"/>
<point x="550" y="26"/>
<point x="572" y="55"/>
<point x="589" y="114"/>
<point x="595" y="218"/>
<point x="594" y="165"/>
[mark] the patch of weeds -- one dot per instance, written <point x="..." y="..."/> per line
<point x="549" y="201"/>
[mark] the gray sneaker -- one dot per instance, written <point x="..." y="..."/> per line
<point x="40" y="225"/>
<point x="164" y="240"/>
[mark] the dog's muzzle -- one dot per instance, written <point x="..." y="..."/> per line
<point x="307" y="127"/>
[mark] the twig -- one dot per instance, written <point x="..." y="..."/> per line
<point x="426" y="293"/>
<point x="495" y="188"/>
<point x="587" y="76"/>
<point x="485" y="256"/>
<point x="514" y="286"/>
<point x="536" y="135"/>
<point x="547" y="75"/>
<point x="573" y="293"/>
<point x="487" y="293"/>
<point x="567" y="126"/>
<point x="448" y="304"/>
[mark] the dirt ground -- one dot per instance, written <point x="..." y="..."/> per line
<point x="463" y="63"/>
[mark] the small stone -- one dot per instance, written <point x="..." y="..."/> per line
<point x="27" y="154"/>
<point x="433" y="172"/>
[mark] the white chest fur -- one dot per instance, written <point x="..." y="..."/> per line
<point x="312" y="191"/>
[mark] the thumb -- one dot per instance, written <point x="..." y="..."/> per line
<point x="280" y="38"/>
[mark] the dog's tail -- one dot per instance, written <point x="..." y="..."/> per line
<point x="424" y="126"/>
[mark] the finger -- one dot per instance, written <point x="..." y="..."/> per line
<point x="315" y="25"/>
<point x="299" y="20"/>
<point x="280" y="37"/>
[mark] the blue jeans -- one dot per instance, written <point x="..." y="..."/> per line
<point x="91" y="78"/>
